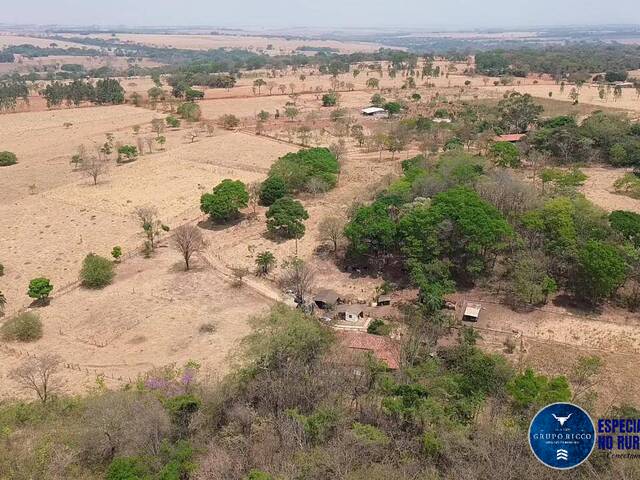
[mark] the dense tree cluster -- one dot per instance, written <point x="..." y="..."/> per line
<point x="299" y="170"/>
<point x="602" y="136"/>
<point x="105" y="91"/>
<point x="454" y="221"/>
<point x="585" y="58"/>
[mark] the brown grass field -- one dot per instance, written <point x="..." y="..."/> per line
<point x="254" y="43"/>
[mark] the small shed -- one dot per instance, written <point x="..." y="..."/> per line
<point x="384" y="300"/>
<point x="326" y="299"/>
<point x="471" y="312"/>
<point x="441" y="120"/>
<point x="374" y="111"/>
<point x="350" y="313"/>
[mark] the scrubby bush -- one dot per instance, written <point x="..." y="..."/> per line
<point x="116" y="253"/>
<point x="97" y="271"/>
<point x="229" y="122"/>
<point x="378" y="327"/>
<point x="127" y="152"/>
<point x="189" y="111"/>
<point x="626" y="223"/>
<point x="25" y="327"/>
<point x="7" y="158"/>
<point x="172" y="121"/>
<point x="329" y="99"/>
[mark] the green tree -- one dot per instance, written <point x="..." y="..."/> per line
<point x="285" y="218"/>
<point x="529" y="282"/>
<point x="392" y="108"/>
<point x="627" y="224"/>
<point x="602" y="270"/>
<point x="128" y="152"/>
<point x="226" y="200"/>
<point x="127" y="468"/>
<point x="518" y="111"/>
<point x="529" y="390"/>
<point x="109" y="90"/>
<point x="505" y="154"/>
<point x="372" y="231"/>
<point x="273" y="188"/>
<point x="330" y="99"/>
<point x="40" y="288"/>
<point x="259" y="83"/>
<point x="172" y="121"/>
<point x="189" y="111"/>
<point x="458" y="226"/>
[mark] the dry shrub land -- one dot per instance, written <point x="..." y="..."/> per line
<point x="278" y="187"/>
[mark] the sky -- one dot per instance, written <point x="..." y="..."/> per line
<point x="322" y="13"/>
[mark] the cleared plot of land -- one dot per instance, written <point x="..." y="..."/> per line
<point x="588" y="95"/>
<point x="599" y="189"/>
<point x="49" y="233"/>
<point x="149" y="317"/>
<point x="44" y="144"/>
<point x="205" y="42"/>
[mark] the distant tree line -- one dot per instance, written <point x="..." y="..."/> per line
<point x="560" y="60"/>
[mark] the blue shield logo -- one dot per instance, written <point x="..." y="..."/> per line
<point x="562" y="435"/>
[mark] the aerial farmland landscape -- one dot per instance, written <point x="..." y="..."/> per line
<point x="262" y="250"/>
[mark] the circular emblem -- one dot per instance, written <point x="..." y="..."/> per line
<point x="562" y="435"/>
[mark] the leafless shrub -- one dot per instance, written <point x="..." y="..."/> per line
<point x="39" y="375"/>
<point x="188" y="240"/>
<point x="509" y="194"/>
<point x="123" y="424"/>
<point x="298" y="277"/>
<point x="94" y="166"/>
<point x="331" y="229"/>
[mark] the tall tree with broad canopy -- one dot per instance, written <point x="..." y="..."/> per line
<point x="226" y="200"/>
<point x="518" y="112"/>
<point x="285" y="216"/>
<point x="458" y="226"/>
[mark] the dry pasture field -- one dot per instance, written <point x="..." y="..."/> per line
<point x="7" y="39"/>
<point x="48" y="230"/>
<point x="256" y="43"/>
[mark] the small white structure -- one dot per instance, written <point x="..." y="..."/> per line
<point x="471" y="312"/>
<point x="350" y="313"/>
<point x="441" y="120"/>
<point x="374" y="112"/>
